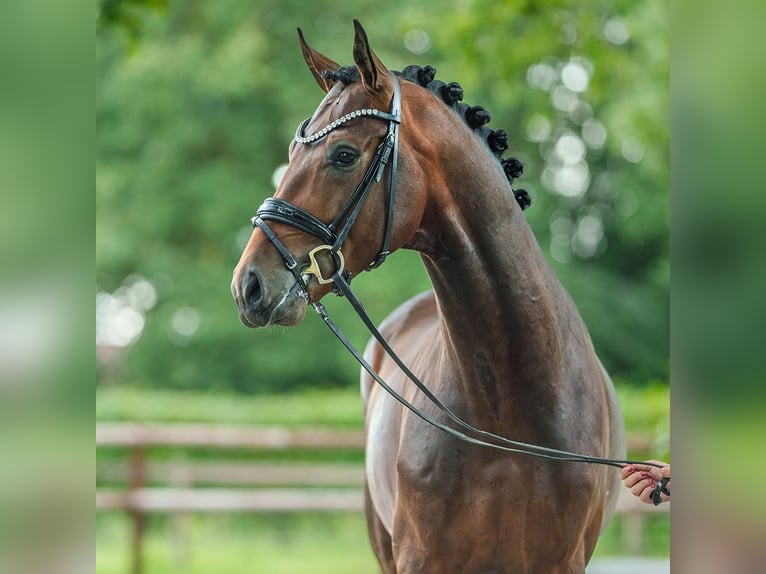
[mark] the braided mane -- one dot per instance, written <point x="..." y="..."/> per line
<point x="476" y="117"/>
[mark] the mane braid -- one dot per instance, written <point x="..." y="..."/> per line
<point x="347" y="75"/>
<point x="476" y="117"/>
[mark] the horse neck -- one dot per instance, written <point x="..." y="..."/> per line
<point x="500" y="304"/>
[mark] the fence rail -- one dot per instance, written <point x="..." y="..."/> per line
<point x="256" y="437"/>
<point x="239" y="473"/>
<point x="169" y="499"/>
<point x="148" y="500"/>
<point x="286" y="487"/>
<point x="219" y="436"/>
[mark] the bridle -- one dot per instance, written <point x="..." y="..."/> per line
<point x="333" y="236"/>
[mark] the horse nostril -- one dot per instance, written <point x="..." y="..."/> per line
<point x="252" y="288"/>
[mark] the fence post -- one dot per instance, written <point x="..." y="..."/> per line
<point x="179" y="478"/>
<point x="136" y="470"/>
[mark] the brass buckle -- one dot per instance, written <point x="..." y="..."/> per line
<point x="313" y="268"/>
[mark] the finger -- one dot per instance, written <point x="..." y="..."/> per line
<point x="646" y="494"/>
<point x="651" y="472"/>
<point x="633" y="479"/>
<point x="627" y="471"/>
<point x="641" y="486"/>
<point x="664" y="469"/>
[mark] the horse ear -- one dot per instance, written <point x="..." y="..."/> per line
<point x="374" y="74"/>
<point x="317" y="63"/>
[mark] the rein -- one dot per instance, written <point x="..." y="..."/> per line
<point x="334" y="233"/>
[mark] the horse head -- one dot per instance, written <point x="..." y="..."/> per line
<point x="357" y="187"/>
<point x="320" y="198"/>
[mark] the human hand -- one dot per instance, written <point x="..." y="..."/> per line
<point x="641" y="479"/>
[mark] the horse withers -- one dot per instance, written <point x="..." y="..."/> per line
<point x="391" y="161"/>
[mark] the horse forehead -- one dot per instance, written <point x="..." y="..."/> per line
<point x="341" y="99"/>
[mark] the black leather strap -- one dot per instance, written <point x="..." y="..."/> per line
<point x="659" y="490"/>
<point x="275" y="209"/>
<point x="388" y="147"/>
<point x="287" y="257"/>
<point x="393" y="131"/>
<point x="354" y="205"/>
<point x="514" y="446"/>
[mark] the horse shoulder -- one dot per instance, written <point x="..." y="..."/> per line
<point x="406" y="329"/>
<point x="401" y="326"/>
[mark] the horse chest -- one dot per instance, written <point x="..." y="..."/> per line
<point x="411" y="466"/>
<point x="439" y="471"/>
<point x="458" y="509"/>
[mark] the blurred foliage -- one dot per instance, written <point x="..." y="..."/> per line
<point x="127" y="14"/>
<point x="195" y="115"/>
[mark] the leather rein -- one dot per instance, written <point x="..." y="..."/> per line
<point x="333" y="236"/>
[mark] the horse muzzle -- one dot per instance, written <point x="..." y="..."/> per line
<point x="278" y="300"/>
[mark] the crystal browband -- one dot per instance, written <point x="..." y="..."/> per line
<point x="302" y="139"/>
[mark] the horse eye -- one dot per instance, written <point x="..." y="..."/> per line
<point x="344" y="158"/>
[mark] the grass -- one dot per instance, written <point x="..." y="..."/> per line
<point x="656" y="537"/>
<point x="278" y="544"/>
<point x="330" y="407"/>
<point x="225" y="544"/>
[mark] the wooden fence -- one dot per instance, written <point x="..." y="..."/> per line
<point x="280" y="487"/>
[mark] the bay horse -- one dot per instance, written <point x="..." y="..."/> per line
<point x="386" y="163"/>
